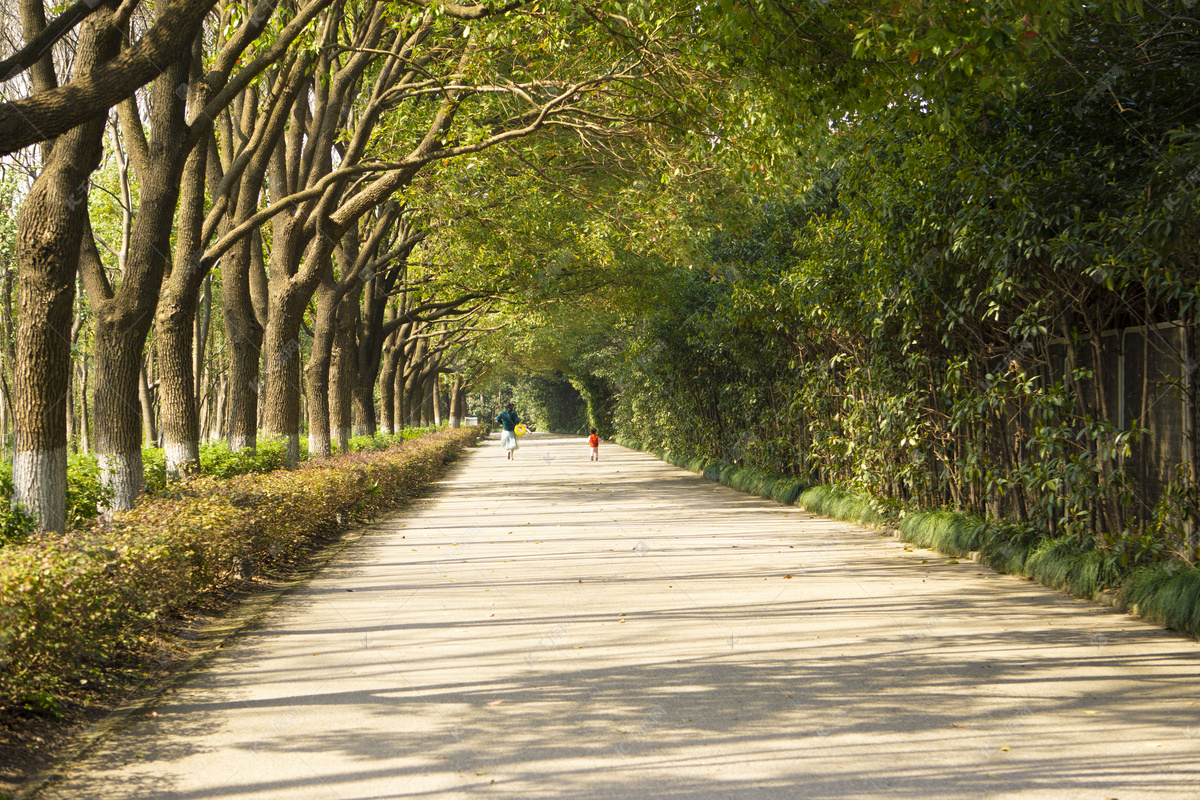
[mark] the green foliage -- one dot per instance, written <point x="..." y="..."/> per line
<point x="86" y="494"/>
<point x="917" y="323"/>
<point x="382" y="441"/>
<point x="70" y="604"/>
<point x="217" y="460"/>
<point x="949" y="532"/>
<point x="1071" y="566"/>
<point x="1167" y="593"/>
<point x="154" y="469"/>
<point x="16" y="525"/>
<point x="551" y="403"/>
<point x="831" y="501"/>
<point x="1006" y="547"/>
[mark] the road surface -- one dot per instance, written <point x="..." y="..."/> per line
<point x="556" y="628"/>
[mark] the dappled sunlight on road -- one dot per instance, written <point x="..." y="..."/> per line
<point x="555" y="628"/>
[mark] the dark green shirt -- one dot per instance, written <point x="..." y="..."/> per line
<point x="508" y="419"/>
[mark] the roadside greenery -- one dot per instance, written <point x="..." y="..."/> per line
<point x="70" y="606"/>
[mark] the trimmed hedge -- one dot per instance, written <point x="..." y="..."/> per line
<point x="69" y="604"/>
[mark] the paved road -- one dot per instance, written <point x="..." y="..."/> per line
<point x="554" y="628"/>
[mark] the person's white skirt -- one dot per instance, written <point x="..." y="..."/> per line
<point x="508" y="440"/>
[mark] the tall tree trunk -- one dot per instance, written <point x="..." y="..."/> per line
<point x="85" y="435"/>
<point x="203" y="321"/>
<point x="244" y="342"/>
<point x="72" y="413"/>
<point x="387" y="386"/>
<point x="180" y="349"/>
<point x="281" y="398"/>
<point x="49" y="231"/>
<point x="342" y="383"/>
<point x="458" y="402"/>
<point x="317" y="370"/>
<point x="435" y="397"/>
<point x="281" y="340"/>
<point x="124" y="316"/>
<point x="146" y="396"/>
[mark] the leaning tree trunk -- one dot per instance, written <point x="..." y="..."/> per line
<point x="49" y="231"/>
<point x="118" y="420"/>
<point x="458" y="402"/>
<point x="436" y="397"/>
<point x="146" y="395"/>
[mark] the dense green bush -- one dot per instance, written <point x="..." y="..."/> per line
<point x="217" y="460"/>
<point x="15" y="524"/>
<point x="69" y="604"/>
<point x="930" y="318"/>
<point x="381" y="441"/>
<point x="86" y="495"/>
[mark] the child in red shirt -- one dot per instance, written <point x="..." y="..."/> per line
<point x="594" y="443"/>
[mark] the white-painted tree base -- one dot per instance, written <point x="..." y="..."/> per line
<point x="293" y="450"/>
<point x="40" y="486"/>
<point x="237" y="443"/>
<point x="122" y="472"/>
<point x="318" y="447"/>
<point x="180" y="454"/>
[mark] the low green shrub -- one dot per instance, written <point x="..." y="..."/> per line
<point x="382" y="441"/>
<point x="218" y="461"/>
<point x="829" y="501"/>
<point x="1167" y="593"/>
<point x="69" y="604"/>
<point x="15" y="524"/>
<point x="950" y="532"/>
<point x="154" y="469"/>
<point x="779" y="488"/>
<point x="86" y="495"/>
<point x="788" y="490"/>
<point x="1071" y="566"/>
<point x="1005" y="547"/>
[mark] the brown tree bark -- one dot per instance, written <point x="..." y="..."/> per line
<point x="343" y="375"/>
<point x="387" y="381"/>
<point x="124" y="316"/>
<point x="174" y="327"/>
<point x="50" y="112"/>
<point x="319" y="366"/>
<point x="50" y="228"/>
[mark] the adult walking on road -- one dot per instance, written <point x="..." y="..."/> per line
<point x="509" y="421"/>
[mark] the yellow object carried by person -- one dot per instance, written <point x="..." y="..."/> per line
<point x="520" y="430"/>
